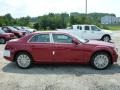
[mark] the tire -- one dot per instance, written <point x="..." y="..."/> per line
<point x="18" y="36"/>
<point x="106" y="38"/>
<point x="23" y="60"/>
<point x="100" y="61"/>
<point x="2" y="41"/>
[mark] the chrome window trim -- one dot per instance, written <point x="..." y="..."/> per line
<point x="51" y="38"/>
<point x="38" y="42"/>
<point x="60" y="43"/>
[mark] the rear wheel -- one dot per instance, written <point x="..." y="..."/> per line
<point x="101" y="60"/>
<point x="2" y="41"/>
<point x="23" y="60"/>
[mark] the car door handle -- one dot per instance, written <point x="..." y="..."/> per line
<point x="53" y="52"/>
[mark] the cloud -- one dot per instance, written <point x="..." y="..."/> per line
<point x="20" y="8"/>
<point x="15" y="7"/>
<point x="38" y="7"/>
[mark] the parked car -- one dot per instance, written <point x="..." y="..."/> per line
<point x="5" y="36"/>
<point x="59" y="47"/>
<point x="9" y="29"/>
<point x="90" y="32"/>
<point x="25" y="32"/>
<point x="29" y="29"/>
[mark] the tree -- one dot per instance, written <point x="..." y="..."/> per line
<point x="36" y="26"/>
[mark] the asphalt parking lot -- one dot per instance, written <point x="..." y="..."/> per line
<point x="59" y="77"/>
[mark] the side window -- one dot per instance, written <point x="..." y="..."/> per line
<point x="71" y="27"/>
<point x="79" y="27"/>
<point x="95" y="28"/>
<point x="41" y="38"/>
<point x="5" y="29"/>
<point x="87" y="28"/>
<point x="61" y="38"/>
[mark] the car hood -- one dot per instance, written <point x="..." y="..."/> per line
<point x="100" y="43"/>
<point x="107" y="31"/>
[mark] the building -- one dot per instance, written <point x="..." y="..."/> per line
<point x="118" y="20"/>
<point x="110" y="20"/>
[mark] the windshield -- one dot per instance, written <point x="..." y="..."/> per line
<point x="18" y="28"/>
<point x="25" y="27"/>
<point x="1" y="31"/>
<point x="12" y="28"/>
<point x="80" y="39"/>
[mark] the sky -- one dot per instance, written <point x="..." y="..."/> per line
<point x="33" y="8"/>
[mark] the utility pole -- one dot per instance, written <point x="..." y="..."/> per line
<point x="86" y="7"/>
<point x="86" y="12"/>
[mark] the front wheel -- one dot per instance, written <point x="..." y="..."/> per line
<point x="106" y="38"/>
<point x="101" y="60"/>
<point x="23" y="60"/>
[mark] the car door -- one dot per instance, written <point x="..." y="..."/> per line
<point x="96" y="32"/>
<point x="87" y="33"/>
<point x="65" y="50"/>
<point x="41" y="47"/>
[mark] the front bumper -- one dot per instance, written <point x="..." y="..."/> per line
<point x="7" y="55"/>
<point x="115" y="57"/>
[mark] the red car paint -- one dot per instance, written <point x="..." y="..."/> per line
<point x="7" y="36"/>
<point x="64" y="53"/>
<point x="8" y="29"/>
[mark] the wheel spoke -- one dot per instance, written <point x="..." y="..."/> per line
<point x="101" y="61"/>
<point x="23" y="60"/>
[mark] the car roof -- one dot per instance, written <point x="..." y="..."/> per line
<point x="47" y="32"/>
<point x="84" y="25"/>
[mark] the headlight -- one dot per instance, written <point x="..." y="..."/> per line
<point x="116" y="50"/>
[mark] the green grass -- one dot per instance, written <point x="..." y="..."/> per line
<point x="113" y="27"/>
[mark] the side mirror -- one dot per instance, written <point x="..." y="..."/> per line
<point x="75" y="42"/>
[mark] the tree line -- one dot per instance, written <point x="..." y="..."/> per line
<point x="53" y="21"/>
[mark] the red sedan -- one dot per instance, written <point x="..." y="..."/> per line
<point x="5" y="36"/>
<point x="58" y="47"/>
<point x="9" y="29"/>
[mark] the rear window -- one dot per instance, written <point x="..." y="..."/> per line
<point x="41" y="38"/>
